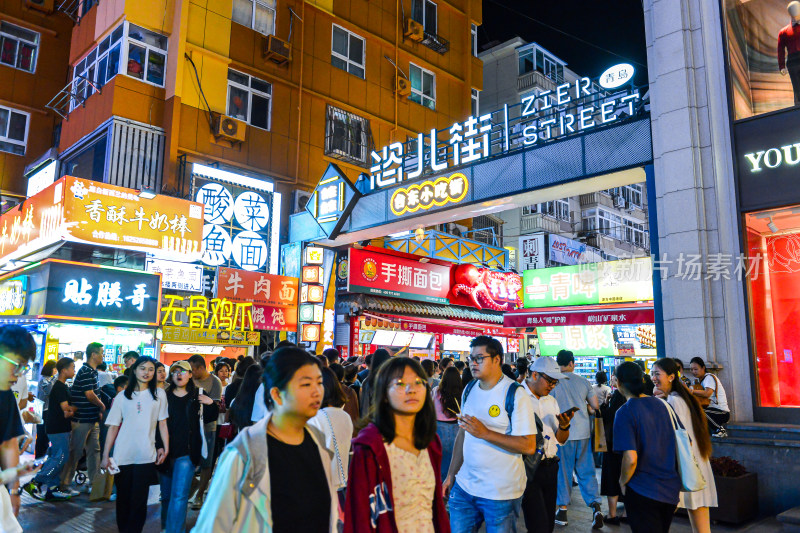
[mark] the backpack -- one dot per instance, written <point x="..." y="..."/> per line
<point x="531" y="461"/>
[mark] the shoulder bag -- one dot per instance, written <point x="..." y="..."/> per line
<point x="692" y="478"/>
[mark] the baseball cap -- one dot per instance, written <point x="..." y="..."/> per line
<point x="547" y="365"/>
<point x="180" y="364"/>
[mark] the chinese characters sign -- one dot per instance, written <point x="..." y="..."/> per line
<point x="210" y="336"/>
<point x="202" y="312"/>
<point x="398" y="277"/>
<point x="260" y="289"/>
<point x="332" y="200"/>
<point x="13" y="296"/>
<point x="568" y="316"/>
<point x="91" y="292"/>
<point x="593" y="283"/>
<point x="532" y="252"/>
<point x="616" y="76"/>
<point x="178" y="276"/>
<point x="598" y="340"/>
<point x="442" y="191"/>
<point x="275" y="318"/>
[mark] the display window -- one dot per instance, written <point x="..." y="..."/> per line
<point x="773" y="281"/>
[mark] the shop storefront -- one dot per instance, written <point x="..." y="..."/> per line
<point x="67" y="305"/>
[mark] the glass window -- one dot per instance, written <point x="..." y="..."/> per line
<point x="475" y="102"/>
<point x="256" y="14"/>
<point x="474" y="39"/>
<point x="346" y="135"/>
<point x="18" y="47"/>
<point x="423" y="86"/>
<point x="13" y="130"/>
<point x="347" y="51"/>
<point x="772" y="273"/>
<point x="101" y="64"/>
<point x="525" y="61"/>
<point x="147" y="55"/>
<point x="249" y="99"/>
<point x="424" y="12"/>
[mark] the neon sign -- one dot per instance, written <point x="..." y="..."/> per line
<point x="13" y="293"/>
<point x="617" y="76"/>
<point x="439" y="192"/>
<point x="205" y="313"/>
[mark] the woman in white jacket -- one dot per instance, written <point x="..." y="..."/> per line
<point x="268" y="474"/>
<point x="666" y="377"/>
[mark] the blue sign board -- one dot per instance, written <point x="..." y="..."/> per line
<point x="332" y="200"/>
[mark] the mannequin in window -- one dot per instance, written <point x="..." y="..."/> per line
<point x="789" y="49"/>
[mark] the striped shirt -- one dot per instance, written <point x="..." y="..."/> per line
<point x="85" y="380"/>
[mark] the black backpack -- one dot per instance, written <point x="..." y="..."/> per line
<point x="531" y="461"/>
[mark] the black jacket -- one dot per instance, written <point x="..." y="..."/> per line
<point x="210" y="412"/>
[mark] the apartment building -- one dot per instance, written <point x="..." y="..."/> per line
<point x="607" y="224"/>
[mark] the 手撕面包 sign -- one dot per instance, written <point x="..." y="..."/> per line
<point x="397" y="277"/>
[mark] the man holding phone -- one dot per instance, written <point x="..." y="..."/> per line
<point x="575" y="454"/>
<point x="539" y="500"/>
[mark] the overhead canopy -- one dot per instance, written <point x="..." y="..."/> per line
<point x="582" y="315"/>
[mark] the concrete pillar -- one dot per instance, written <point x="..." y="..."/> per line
<point x="695" y="191"/>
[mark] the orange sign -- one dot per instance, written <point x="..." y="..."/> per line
<point x="80" y="210"/>
<point x="261" y="289"/>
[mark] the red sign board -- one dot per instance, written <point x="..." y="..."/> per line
<point x="261" y="289"/>
<point x="397" y="277"/>
<point x="479" y="329"/>
<point x="584" y="317"/>
<point x="484" y="288"/>
<point x="275" y="318"/>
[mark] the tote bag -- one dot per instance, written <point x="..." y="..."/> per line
<point x="691" y="477"/>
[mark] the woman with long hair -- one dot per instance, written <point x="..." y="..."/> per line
<point x="275" y="475"/>
<point x="186" y="444"/>
<point x="669" y="386"/>
<point x="445" y="400"/>
<point x="132" y="422"/>
<point x="351" y="398"/>
<point x="336" y="425"/>
<point x="380" y="356"/>
<point x="238" y="376"/>
<point x="644" y="435"/>
<point x="241" y="410"/>
<point x="395" y="481"/>
<point x="161" y="375"/>
<point x="466" y="376"/>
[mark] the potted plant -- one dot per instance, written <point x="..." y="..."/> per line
<point x="737" y="491"/>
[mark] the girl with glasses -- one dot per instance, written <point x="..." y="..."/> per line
<point x="185" y="444"/>
<point x="397" y="458"/>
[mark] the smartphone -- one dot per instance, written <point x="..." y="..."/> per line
<point x="570" y="411"/>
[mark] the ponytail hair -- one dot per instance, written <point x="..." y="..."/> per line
<point x="699" y="425"/>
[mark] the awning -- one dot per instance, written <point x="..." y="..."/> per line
<point x="584" y="315"/>
<point x="353" y="304"/>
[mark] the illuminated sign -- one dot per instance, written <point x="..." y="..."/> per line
<point x="260" y="289"/>
<point x="202" y="312"/>
<point x="327" y="329"/>
<point x="616" y="76"/>
<point x="13" y="296"/>
<point x="312" y="274"/>
<point x="242" y="219"/>
<point x="311" y="312"/>
<point x="314" y="255"/>
<point x="310" y="333"/>
<point x="312" y="294"/>
<point x="442" y="191"/>
<point x="210" y="336"/>
<point x="397" y="277"/>
<point x="532" y="252"/>
<point x="332" y="200"/>
<point x="628" y="280"/>
<point x="78" y="210"/>
<point x="275" y="318"/>
<point x="484" y="288"/>
<point x="42" y="178"/>
<point x="567" y="109"/>
<point x="178" y="276"/>
<point x="96" y="293"/>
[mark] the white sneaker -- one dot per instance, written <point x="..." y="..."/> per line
<point x="55" y="494"/>
<point x="69" y="491"/>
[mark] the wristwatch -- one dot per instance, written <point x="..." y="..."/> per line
<point x="564" y="429"/>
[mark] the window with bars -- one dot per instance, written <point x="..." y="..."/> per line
<point x="249" y="99"/>
<point x="13" y="130"/>
<point x="346" y="136"/>
<point x="19" y="47"/>
<point x="256" y="14"/>
<point x="423" y="86"/>
<point x="348" y="51"/>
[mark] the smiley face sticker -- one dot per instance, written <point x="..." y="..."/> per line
<point x="494" y="411"/>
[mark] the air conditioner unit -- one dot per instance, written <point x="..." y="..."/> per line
<point x="277" y="50"/>
<point x="45" y="6"/>
<point x="299" y="201"/>
<point x="229" y="128"/>
<point x="414" y="30"/>
<point x="619" y="201"/>
<point x="402" y="86"/>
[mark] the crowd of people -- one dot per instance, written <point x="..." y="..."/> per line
<point x="400" y="445"/>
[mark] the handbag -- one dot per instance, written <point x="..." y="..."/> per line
<point x="102" y="484"/>
<point x="692" y="478"/>
<point x="704" y="402"/>
<point x="600" y="444"/>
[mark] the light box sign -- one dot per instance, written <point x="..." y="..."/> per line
<point x="423" y="196"/>
<point x="14" y="296"/>
<point x="397" y="277"/>
<point x="617" y="76"/>
<point x="210" y="336"/>
<point x="598" y="340"/>
<point x="484" y="289"/>
<point x="78" y="210"/>
<point x="260" y="289"/>
<point x="96" y="293"/>
<point x="627" y="280"/>
<point x="532" y="253"/>
<point x="275" y="318"/>
<point x="175" y="275"/>
<point x="332" y="200"/>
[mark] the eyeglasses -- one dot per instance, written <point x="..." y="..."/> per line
<point x="416" y="384"/>
<point x="180" y="371"/>
<point x="550" y="381"/>
<point x="19" y="368"/>
<point x="477" y="359"/>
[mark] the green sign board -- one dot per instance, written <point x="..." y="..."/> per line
<point x="628" y="280"/>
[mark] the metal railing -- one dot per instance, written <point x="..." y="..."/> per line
<point x="68" y="98"/>
<point x="76" y="9"/>
<point x="535" y="79"/>
<point x="348" y="137"/>
<point x="437" y="43"/>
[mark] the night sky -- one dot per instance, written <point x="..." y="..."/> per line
<point x="615" y="29"/>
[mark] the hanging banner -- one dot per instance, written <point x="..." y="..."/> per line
<point x="256" y="287"/>
<point x="566" y="251"/>
<point x="397" y="277"/>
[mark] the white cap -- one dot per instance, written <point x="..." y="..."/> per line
<point x="547" y="365"/>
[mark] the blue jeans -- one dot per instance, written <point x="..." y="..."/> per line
<point x="467" y="512"/>
<point x="575" y="455"/>
<point x="175" y="495"/>
<point x="447" y="434"/>
<point x="57" y="454"/>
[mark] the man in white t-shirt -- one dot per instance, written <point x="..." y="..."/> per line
<point x="718" y="413"/>
<point x="487" y="474"/>
<point x="539" y="500"/>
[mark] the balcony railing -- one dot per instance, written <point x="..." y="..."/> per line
<point x="533" y="79"/>
<point x="542" y="222"/>
<point x="76" y="9"/>
<point x="437" y="43"/>
<point x="68" y="98"/>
